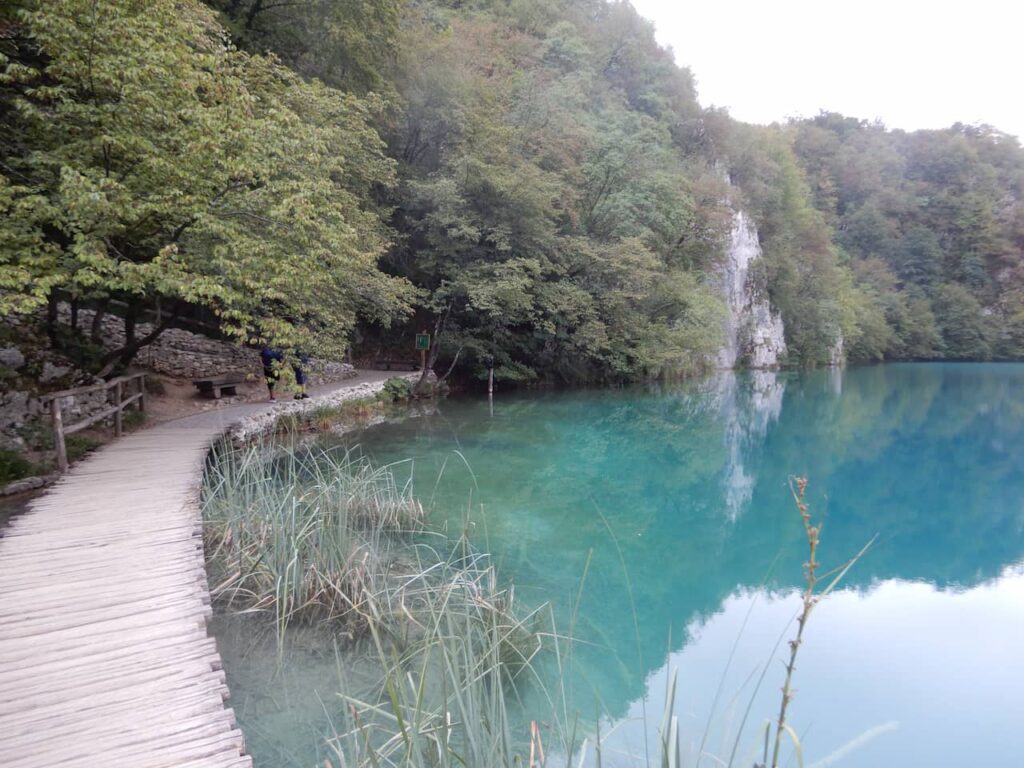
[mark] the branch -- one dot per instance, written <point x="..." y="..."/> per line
<point x="452" y="366"/>
<point x="125" y="354"/>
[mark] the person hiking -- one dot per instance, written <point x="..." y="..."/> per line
<point x="300" y="376"/>
<point x="271" y="368"/>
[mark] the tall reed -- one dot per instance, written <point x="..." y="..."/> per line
<point x="448" y="690"/>
<point x="302" y="532"/>
<point x="307" y="534"/>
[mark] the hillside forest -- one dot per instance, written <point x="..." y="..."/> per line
<point x="533" y="180"/>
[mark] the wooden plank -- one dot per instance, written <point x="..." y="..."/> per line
<point x="104" y="656"/>
<point x="90" y="387"/>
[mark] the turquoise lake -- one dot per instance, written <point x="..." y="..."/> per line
<point x="679" y="497"/>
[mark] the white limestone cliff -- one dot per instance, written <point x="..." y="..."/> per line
<point x="755" y="336"/>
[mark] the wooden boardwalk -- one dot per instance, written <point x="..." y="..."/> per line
<point x="104" y="656"/>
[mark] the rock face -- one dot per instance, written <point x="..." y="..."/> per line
<point x="12" y="357"/>
<point x="837" y="355"/>
<point x="755" y="337"/>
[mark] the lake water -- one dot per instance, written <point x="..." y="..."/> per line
<point x="679" y="497"/>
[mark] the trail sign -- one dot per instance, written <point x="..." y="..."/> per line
<point x="423" y="341"/>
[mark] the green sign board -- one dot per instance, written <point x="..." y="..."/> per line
<point x="422" y="341"/>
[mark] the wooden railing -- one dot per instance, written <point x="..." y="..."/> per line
<point x="120" y="388"/>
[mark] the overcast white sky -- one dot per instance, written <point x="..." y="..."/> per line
<point x="909" y="63"/>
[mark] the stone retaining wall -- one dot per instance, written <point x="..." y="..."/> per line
<point x="263" y="423"/>
<point x="183" y="354"/>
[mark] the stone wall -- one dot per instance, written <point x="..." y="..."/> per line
<point x="29" y="369"/>
<point x="25" y="420"/>
<point x="183" y="354"/>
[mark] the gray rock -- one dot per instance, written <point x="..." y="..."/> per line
<point x="53" y="372"/>
<point x="26" y="484"/>
<point x="12" y="357"/>
<point x="15" y="407"/>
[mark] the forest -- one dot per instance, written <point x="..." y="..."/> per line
<point x="533" y="180"/>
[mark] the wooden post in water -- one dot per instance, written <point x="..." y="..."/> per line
<point x="118" y="414"/>
<point x="489" y="362"/>
<point x="58" y="435"/>
<point x="142" y="392"/>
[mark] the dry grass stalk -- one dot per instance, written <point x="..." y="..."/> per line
<point x="809" y="599"/>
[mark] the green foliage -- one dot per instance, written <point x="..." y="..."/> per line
<point x="134" y="419"/>
<point x="15" y="466"/>
<point x="79" y="445"/>
<point x="962" y="326"/>
<point x="805" y="281"/>
<point x="545" y="206"/>
<point x="395" y="389"/>
<point x="944" y="211"/>
<point x="345" y="43"/>
<point x="534" y="180"/>
<point x="148" y="160"/>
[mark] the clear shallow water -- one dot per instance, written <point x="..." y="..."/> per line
<point x="915" y="662"/>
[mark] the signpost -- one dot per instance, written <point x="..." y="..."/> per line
<point x="423" y="344"/>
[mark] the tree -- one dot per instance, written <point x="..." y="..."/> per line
<point x="348" y="44"/>
<point x="964" y="329"/>
<point x="153" y="163"/>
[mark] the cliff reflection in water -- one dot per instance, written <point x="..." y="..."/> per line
<point x="690" y="482"/>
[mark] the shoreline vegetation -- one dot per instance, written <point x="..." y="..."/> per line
<point x="303" y="535"/>
<point x="536" y="184"/>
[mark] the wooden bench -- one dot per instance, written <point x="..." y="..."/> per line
<point x="216" y="386"/>
<point x="391" y="364"/>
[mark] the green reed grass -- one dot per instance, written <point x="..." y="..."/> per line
<point x="307" y="534"/>
<point x="302" y="533"/>
<point x="312" y="535"/>
<point x="447" y="690"/>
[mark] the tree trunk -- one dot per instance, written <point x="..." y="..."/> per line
<point x="96" y="332"/>
<point x="74" y="315"/>
<point x="120" y="358"/>
<point x="131" y="314"/>
<point x="435" y="348"/>
<point x="51" y="318"/>
<point x="254" y="10"/>
<point x="451" y="367"/>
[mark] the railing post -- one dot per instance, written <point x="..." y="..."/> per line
<point x="58" y="435"/>
<point x="118" y="414"/>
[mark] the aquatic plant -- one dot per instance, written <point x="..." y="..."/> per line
<point x="302" y="532"/>
<point x="395" y="389"/>
<point x="324" y="416"/>
<point x="310" y="534"/>
<point x="314" y="534"/>
<point x="447" y="685"/>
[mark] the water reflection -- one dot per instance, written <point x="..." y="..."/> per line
<point x="899" y="674"/>
<point x="689" y="484"/>
<point x="746" y="409"/>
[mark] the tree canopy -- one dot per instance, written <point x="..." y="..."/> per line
<point x="535" y="180"/>
<point x="151" y="160"/>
